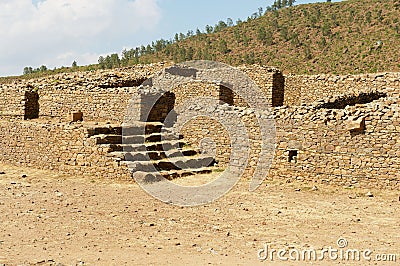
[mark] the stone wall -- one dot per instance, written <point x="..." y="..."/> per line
<point x="104" y="95"/>
<point x="96" y="104"/>
<point x="339" y="129"/>
<point x="303" y="90"/>
<point x="187" y="91"/>
<point x="197" y="130"/>
<point x="101" y="95"/>
<point x="215" y="90"/>
<point x="351" y="144"/>
<point x="264" y="81"/>
<point x="358" y="145"/>
<point x="66" y="148"/>
<point x="222" y="127"/>
<point x="12" y="102"/>
<point x="270" y="80"/>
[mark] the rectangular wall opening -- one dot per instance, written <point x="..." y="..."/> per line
<point x="292" y="156"/>
<point x="226" y="95"/>
<point x="31" y="105"/>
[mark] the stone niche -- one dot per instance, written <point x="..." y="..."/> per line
<point x="31" y="105"/>
<point x="75" y="116"/>
<point x="150" y="104"/>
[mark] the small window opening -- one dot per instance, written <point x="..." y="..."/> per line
<point x="293" y="156"/>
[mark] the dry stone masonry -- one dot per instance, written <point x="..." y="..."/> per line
<point x="343" y="130"/>
<point x="101" y="95"/>
<point x="303" y="90"/>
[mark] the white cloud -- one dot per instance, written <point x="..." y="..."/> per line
<point x="57" y="32"/>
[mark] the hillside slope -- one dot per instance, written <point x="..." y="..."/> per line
<point x="355" y="36"/>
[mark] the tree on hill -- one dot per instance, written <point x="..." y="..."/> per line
<point x="30" y="70"/>
<point x="229" y="21"/>
<point x="101" y="62"/>
<point x="311" y="34"/>
<point x="220" y="26"/>
<point x="223" y="47"/>
<point x="278" y="4"/>
<point x="109" y="61"/>
<point x="209" y="29"/>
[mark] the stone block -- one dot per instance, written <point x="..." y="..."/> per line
<point x="355" y="124"/>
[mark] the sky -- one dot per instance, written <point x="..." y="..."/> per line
<point x="55" y="33"/>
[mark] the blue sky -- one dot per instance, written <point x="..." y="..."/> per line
<point x="181" y="15"/>
<point x="57" y="32"/>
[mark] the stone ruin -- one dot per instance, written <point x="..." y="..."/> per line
<point x="328" y="128"/>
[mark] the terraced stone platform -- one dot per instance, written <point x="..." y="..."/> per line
<point x="152" y="148"/>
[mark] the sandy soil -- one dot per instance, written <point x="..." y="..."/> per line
<point x="50" y="219"/>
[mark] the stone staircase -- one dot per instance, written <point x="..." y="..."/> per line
<point x="156" y="150"/>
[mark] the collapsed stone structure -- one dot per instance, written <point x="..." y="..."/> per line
<point x="328" y="128"/>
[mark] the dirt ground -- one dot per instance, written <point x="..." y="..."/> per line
<point x="51" y="219"/>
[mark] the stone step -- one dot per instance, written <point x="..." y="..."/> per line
<point x="179" y="163"/>
<point x="135" y="139"/>
<point x="117" y="155"/>
<point x="146" y="166"/>
<point x="111" y="147"/>
<point x="141" y="128"/>
<point x="156" y="146"/>
<point x="133" y="147"/>
<point x="204" y="170"/>
<point x="108" y="139"/>
<point x="145" y="155"/>
<point x="181" y="152"/>
<point x="155" y="137"/>
<point x="170" y="175"/>
<point x="106" y="130"/>
<point x="165" y="145"/>
<point x="173" y="174"/>
<point x="136" y="156"/>
<point x="175" y="153"/>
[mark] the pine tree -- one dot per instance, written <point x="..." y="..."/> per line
<point x="229" y="22"/>
<point x="279" y="4"/>
<point x="209" y="29"/>
<point x="260" y="11"/>
<point x="28" y="70"/>
<point x="262" y="34"/>
<point x="223" y="47"/>
<point x="101" y="62"/>
<point x="190" y="54"/>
